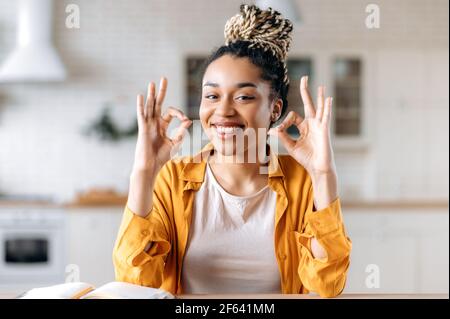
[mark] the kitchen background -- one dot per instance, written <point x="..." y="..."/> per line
<point x="67" y="143"/>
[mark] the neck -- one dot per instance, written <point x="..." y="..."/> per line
<point x="236" y="168"/>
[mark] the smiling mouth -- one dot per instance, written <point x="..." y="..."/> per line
<point x="225" y="132"/>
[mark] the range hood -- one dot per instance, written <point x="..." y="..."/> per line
<point x="34" y="59"/>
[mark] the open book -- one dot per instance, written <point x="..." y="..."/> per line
<point x="81" y="290"/>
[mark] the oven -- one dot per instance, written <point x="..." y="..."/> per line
<point x="32" y="246"/>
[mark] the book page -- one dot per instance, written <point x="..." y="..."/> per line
<point x="71" y="290"/>
<point x="124" y="290"/>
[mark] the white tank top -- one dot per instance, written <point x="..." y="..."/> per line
<point x="231" y="242"/>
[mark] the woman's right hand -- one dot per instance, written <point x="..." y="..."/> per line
<point x="154" y="147"/>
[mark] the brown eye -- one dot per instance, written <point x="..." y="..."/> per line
<point x="243" y="97"/>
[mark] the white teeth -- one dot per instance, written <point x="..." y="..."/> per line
<point x="227" y="129"/>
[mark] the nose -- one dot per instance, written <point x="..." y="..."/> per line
<point x="225" y="108"/>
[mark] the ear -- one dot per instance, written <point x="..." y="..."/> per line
<point x="276" y="108"/>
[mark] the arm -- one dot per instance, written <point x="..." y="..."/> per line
<point x="153" y="147"/>
<point x="143" y="241"/>
<point x="141" y="248"/>
<point x="324" y="248"/>
<point x="325" y="192"/>
<point x="142" y="183"/>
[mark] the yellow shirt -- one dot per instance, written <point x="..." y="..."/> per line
<point x="166" y="227"/>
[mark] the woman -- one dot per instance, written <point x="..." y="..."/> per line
<point x="219" y="221"/>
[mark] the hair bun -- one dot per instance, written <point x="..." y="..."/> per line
<point x="266" y="29"/>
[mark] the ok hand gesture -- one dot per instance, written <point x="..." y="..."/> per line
<point x="313" y="148"/>
<point x="153" y="146"/>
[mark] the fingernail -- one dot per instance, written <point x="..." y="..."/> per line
<point x="306" y="80"/>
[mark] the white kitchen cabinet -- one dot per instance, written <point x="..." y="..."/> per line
<point x="408" y="246"/>
<point x="91" y="236"/>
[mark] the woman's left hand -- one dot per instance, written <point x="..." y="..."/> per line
<point x="313" y="148"/>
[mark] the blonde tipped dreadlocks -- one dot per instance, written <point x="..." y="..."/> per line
<point x="263" y="37"/>
<point x="265" y="29"/>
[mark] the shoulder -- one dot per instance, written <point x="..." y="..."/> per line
<point x="177" y="169"/>
<point x="297" y="182"/>
<point x="292" y="170"/>
<point x="169" y="178"/>
<point x="287" y="163"/>
<point x="173" y="168"/>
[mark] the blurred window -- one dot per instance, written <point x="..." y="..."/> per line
<point x="194" y="68"/>
<point x="297" y="67"/>
<point x="347" y="97"/>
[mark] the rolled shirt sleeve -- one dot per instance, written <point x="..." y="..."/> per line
<point x="325" y="276"/>
<point x="141" y="248"/>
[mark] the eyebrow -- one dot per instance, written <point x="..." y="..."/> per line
<point x="238" y="85"/>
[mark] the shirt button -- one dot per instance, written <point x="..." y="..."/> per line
<point x="144" y="232"/>
<point x="282" y="256"/>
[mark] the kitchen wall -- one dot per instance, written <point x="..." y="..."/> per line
<point x="123" y="45"/>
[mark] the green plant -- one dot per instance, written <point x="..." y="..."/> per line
<point x="106" y="129"/>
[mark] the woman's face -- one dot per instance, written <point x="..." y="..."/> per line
<point x="235" y="102"/>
